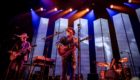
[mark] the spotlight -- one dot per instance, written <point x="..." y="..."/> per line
<point x="87" y="9"/>
<point x="111" y="6"/>
<point x="129" y="1"/>
<point x="41" y="9"/>
<point x="55" y="9"/>
<point x="70" y="9"/>
<point x="31" y="9"/>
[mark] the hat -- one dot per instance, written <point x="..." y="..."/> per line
<point x="70" y="28"/>
<point x="24" y="35"/>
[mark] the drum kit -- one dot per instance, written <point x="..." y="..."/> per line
<point x="112" y="73"/>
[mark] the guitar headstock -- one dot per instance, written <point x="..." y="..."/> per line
<point x="34" y="46"/>
<point x="88" y="38"/>
<point x="9" y="51"/>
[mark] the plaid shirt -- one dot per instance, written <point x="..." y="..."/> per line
<point x="65" y="41"/>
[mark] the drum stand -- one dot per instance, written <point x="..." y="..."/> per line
<point x="124" y="72"/>
<point x="100" y="72"/>
<point x="102" y="64"/>
<point x="7" y="71"/>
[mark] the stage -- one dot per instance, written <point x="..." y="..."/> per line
<point x="112" y="25"/>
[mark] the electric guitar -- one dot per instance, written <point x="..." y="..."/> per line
<point x="15" y="54"/>
<point x="69" y="48"/>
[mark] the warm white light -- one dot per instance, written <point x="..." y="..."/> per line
<point x="70" y="9"/>
<point x="55" y="9"/>
<point x="41" y="9"/>
<point x="129" y="1"/>
<point x="111" y="6"/>
<point x="87" y="9"/>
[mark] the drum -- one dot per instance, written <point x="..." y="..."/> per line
<point x="103" y="74"/>
<point x="111" y="74"/>
<point x="119" y="70"/>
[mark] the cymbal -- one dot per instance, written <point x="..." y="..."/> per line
<point x="123" y="60"/>
<point x="102" y="64"/>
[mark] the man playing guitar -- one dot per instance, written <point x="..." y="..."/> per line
<point x="19" y="58"/>
<point x="71" y="57"/>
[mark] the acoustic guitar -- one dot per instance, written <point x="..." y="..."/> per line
<point x="69" y="48"/>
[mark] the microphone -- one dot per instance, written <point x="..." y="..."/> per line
<point x="78" y="25"/>
<point x="16" y="35"/>
<point x="67" y="30"/>
<point x="56" y="32"/>
<point x="125" y="52"/>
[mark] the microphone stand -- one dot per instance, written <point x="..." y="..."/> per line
<point x="79" y="52"/>
<point x="42" y="71"/>
<point x="47" y="42"/>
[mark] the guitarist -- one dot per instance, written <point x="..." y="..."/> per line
<point x="71" y="58"/>
<point x="18" y="62"/>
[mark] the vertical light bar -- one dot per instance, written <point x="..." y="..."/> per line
<point x="103" y="46"/>
<point x="85" y="64"/>
<point x="60" y="25"/>
<point x="42" y="30"/>
<point x="106" y="40"/>
<point x="126" y="41"/>
<point x="138" y="13"/>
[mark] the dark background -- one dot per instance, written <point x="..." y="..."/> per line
<point x="16" y="19"/>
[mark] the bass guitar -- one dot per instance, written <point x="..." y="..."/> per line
<point x="15" y="54"/>
<point x="69" y="48"/>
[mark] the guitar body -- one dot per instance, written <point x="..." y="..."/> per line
<point x="12" y="57"/>
<point x="65" y="52"/>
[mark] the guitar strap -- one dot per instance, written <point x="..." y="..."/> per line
<point x="25" y="57"/>
<point x="24" y="45"/>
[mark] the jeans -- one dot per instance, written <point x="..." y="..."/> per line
<point x="71" y="59"/>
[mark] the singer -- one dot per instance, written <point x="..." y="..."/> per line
<point x="71" y="58"/>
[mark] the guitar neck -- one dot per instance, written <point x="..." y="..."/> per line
<point x="87" y="38"/>
<point x="74" y="43"/>
<point x="22" y="50"/>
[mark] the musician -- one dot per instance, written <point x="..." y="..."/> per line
<point x="18" y="62"/>
<point x="113" y="64"/>
<point x="111" y="74"/>
<point x="71" y="58"/>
